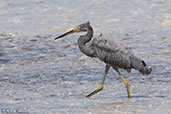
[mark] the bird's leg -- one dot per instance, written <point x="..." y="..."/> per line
<point x="125" y="82"/>
<point x="101" y="85"/>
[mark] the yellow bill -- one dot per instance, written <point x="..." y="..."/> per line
<point x="73" y="30"/>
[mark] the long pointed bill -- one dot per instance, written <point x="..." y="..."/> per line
<point x="76" y="29"/>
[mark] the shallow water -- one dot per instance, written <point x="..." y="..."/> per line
<point x="40" y="75"/>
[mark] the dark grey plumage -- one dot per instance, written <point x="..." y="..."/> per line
<point x="110" y="52"/>
<point x="113" y="54"/>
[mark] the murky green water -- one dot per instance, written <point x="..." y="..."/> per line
<point x="41" y="76"/>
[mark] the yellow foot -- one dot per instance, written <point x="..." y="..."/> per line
<point x="128" y="90"/>
<point x="95" y="91"/>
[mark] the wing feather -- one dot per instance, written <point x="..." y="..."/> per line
<point x="112" y="53"/>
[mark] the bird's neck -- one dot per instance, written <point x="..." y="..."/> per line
<point x="85" y="39"/>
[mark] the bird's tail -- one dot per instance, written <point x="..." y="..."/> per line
<point x="140" y="65"/>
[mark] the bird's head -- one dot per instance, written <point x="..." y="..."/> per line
<point x="80" y="28"/>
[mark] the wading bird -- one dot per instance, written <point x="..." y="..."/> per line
<point x="112" y="54"/>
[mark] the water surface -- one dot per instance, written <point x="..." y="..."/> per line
<point x="40" y="75"/>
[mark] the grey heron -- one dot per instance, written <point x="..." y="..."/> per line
<point x="111" y="53"/>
